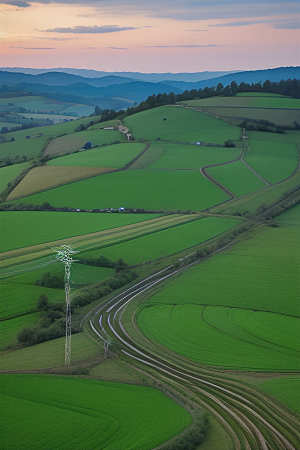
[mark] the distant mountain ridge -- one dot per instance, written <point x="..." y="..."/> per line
<point x="117" y="92"/>
<point x="152" y="77"/>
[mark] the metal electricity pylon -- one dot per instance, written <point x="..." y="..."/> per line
<point x="64" y="253"/>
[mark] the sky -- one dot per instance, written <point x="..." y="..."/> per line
<point x="150" y="35"/>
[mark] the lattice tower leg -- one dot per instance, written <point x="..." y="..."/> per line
<point x="68" y="317"/>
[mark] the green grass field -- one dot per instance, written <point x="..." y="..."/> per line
<point x="166" y="242"/>
<point x="42" y="178"/>
<point x="34" y="102"/>
<point x="111" y="156"/>
<point x="81" y="274"/>
<point x="274" y="161"/>
<point x="9" y="125"/>
<point x="249" y="101"/>
<point x="236" y="115"/>
<point x="31" y="148"/>
<point x="286" y="390"/>
<point x="76" y="141"/>
<point x="292" y="136"/>
<point x="236" y="177"/>
<point x="181" y="124"/>
<point x="175" y="156"/>
<point x="18" y="299"/>
<point x="157" y="190"/>
<point x="50" y="354"/>
<point x="51" y="131"/>
<point x="222" y="336"/>
<point x="9" y="329"/>
<point x="99" y="415"/>
<point x="9" y="173"/>
<point x="267" y="197"/>
<point x="236" y="297"/>
<point x="25" y="228"/>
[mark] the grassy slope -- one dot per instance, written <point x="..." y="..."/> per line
<point x="31" y="148"/>
<point x="112" y="156"/>
<point x="286" y="390"/>
<point x="237" y="178"/>
<point x="53" y="130"/>
<point x="181" y="124"/>
<point x="274" y="161"/>
<point x="47" y="177"/>
<point x="75" y="141"/>
<point x="167" y="242"/>
<point x="156" y="190"/>
<point x="267" y="197"/>
<point x="20" y="299"/>
<point x="9" y="173"/>
<point x="291" y="136"/>
<point x="50" y="354"/>
<point x="128" y="416"/>
<point x="222" y="336"/>
<point x="24" y="228"/>
<point x="188" y="157"/>
<point x="236" y="297"/>
<point x="9" y="329"/>
<point x="236" y="115"/>
<point x="249" y="102"/>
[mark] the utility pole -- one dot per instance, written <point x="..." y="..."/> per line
<point x="64" y="253"/>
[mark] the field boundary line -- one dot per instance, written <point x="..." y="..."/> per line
<point x="130" y="163"/>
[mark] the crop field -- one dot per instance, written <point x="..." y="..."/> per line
<point x="9" y="329"/>
<point x="166" y="242"/>
<point x="180" y="124"/>
<point x="235" y="297"/>
<point x="274" y="161"/>
<point x="286" y="390"/>
<point x="76" y="141"/>
<point x="55" y="118"/>
<point x="81" y="274"/>
<point x="50" y="131"/>
<point x="9" y="125"/>
<point x="158" y="190"/>
<point x="258" y="94"/>
<point x="249" y="101"/>
<point x="50" y="354"/>
<point x="117" y="156"/>
<point x="108" y="123"/>
<point x="9" y="173"/>
<point x="44" y="105"/>
<point x="291" y="136"/>
<point x="47" y="177"/>
<point x="254" y="200"/>
<point x="39" y="227"/>
<point x="201" y="333"/>
<point x="128" y="416"/>
<point x="78" y="110"/>
<point x="236" y="177"/>
<point x="237" y="115"/>
<point x="35" y="103"/>
<point x="31" y="148"/>
<point x="22" y="299"/>
<point x="175" y="156"/>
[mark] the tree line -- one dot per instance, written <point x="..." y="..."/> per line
<point x="290" y="88"/>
